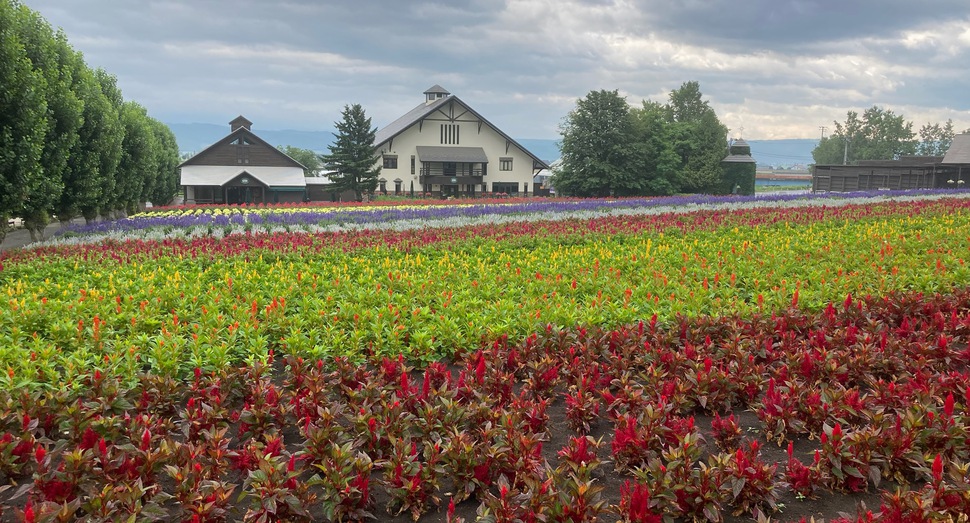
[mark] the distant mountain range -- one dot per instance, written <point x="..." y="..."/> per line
<point x="792" y="153"/>
<point x="193" y="137"/>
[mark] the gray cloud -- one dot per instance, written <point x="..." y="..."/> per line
<point x="780" y="68"/>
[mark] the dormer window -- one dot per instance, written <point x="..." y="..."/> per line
<point x="241" y="141"/>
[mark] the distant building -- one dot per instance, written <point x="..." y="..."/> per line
<point x="242" y="168"/>
<point x="907" y="172"/>
<point x="446" y="148"/>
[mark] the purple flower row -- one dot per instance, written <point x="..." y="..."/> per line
<point x="386" y="214"/>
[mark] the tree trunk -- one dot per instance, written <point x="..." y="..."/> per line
<point x="90" y="216"/>
<point x="36" y="233"/>
<point x="35" y="226"/>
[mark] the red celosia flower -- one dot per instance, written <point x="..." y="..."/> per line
<point x="635" y="504"/>
<point x="274" y="446"/>
<point x="451" y="511"/>
<point x="480" y="370"/>
<point x="88" y="439"/>
<point x="362" y="484"/>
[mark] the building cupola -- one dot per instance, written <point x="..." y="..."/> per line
<point x="238" y="122"/>
<point x="435" y="93"/>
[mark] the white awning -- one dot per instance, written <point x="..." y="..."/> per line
<point x="221" y="174"/>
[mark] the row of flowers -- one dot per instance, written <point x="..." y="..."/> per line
<point x="205" y="307"/>
<point x="193" y="222"/>
<point x="863" y="392"/>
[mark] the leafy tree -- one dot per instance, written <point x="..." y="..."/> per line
<point x="934" y="140"/>
<point x="598" y="155"/>
<point x="351" y="157"/>
<point x="113" y="138"/>
<point x="53" y="58"/>
<point x="137" y="169"/>
<point x="82" y="176"/>
<point x="698" y="137"/>
<point x="879" y="134"/>
<point x="657" y="161"/>
<point x="610" y="149"/>
<point x="686" y="103"/>
<point x="23" y="121"/>
<point x="166" y="162"/>
<point x="308" y="158"/>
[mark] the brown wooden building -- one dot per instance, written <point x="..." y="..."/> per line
<point x="242" y="168"/>
<point x="908" y="172"/>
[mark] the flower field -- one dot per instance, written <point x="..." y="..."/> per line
<point x="634" y="360"/>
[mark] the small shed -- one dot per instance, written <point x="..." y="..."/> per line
<point x="738" y="169"/>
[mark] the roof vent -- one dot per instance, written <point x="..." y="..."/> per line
<point x="435" y="92"/>
<point x="238" y="122"/>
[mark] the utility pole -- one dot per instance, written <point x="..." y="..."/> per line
<point x="822" y="128"/>
<point x="845" y="155"/>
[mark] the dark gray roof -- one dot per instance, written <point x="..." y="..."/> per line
<point x="410" y="118"/>
<point x="415" y="115"/>
<point x="959" y="151"/>
<point x="446" y="153"/>
<point x="435" y="89"/>
<point x="739" y="158"/>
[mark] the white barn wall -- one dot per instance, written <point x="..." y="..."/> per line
<point x="405" y="145"/>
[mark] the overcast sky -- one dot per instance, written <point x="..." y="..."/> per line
<point x="777" y="68"/>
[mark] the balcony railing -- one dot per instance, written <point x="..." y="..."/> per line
<point x="441" y="171"/>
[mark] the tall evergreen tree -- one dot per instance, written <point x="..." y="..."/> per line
<point x="23" y="121"/>
<point x="351" y="159"/>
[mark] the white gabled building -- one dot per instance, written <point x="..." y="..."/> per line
<point x="445" y="147"/>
